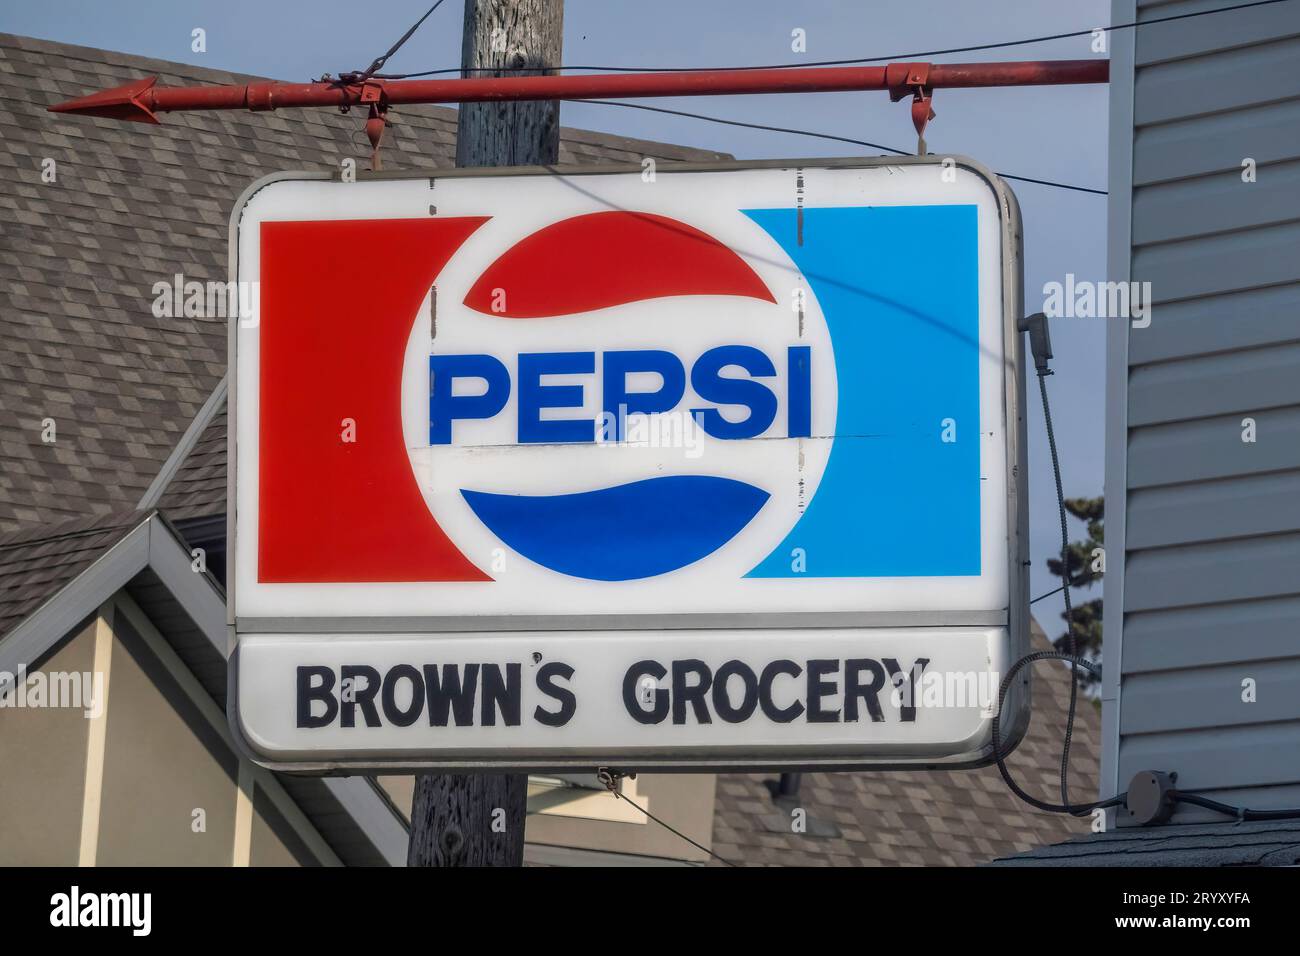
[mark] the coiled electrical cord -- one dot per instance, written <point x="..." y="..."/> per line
<point x="1042" y="351"/>
<point x="1036" y="326"/>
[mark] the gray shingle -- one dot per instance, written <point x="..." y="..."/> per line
<point x="1257" y="843"/>
<point x="923" y="818"/>
<point x="36" y="562"/>
<point x="133" y="205"/>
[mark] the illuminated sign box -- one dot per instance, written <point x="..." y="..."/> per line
<point x="717" y="467"/>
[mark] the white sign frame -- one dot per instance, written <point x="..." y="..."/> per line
<point x="283" y="638"/>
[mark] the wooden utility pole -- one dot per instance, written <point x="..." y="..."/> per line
<point x="478" y="819"/>
<point x="510" y="34"/>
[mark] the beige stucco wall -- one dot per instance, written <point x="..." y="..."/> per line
<point x="274" y="841"/>
<point x="162" y="761"/>
<point x="43" y="768"/>
<point x="683" y="800"/>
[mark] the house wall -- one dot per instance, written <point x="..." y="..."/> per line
<point x="125" y="788"/>
<point x="1203" y="529"/>
<point x="43" y="768"/>
<point x="596" y="821"/>
<point x="604" y="823"/>
<point x="195" y="781"/>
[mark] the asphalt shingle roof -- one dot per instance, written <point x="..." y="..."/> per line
<point x="198" y="488"/>
<point x="131" y="205"/>
<point x="36" y="562"/>
<point x="1259" y="843"/>
<point x="921" y="818"/>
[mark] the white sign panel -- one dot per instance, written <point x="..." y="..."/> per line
<point x="715" y="466"/>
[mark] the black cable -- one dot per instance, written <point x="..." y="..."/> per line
<point x="674" y="830"/>
<point x="1241" y="813"/>
<point x="731" y="122"/>
<point x="816" y="135"/>
<point x="1000" y="755"/>
<point x="1071" y="642"/>
<point x="1047" y="594"/>
<point x="873" y="59"/>
<point x="1065" y="806"/>
<point x="379" y="62"/>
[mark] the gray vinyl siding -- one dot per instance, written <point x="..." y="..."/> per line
<point x="1208" y="585"/>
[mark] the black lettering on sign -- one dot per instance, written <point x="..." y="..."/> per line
<point x="503" y="694"/>
<point x="310" y="692"/>
<point x="782" y="715"/>
<point x="631" y="700"/>
<point x="393" y="713"/>
<point x="546" y="675"/>
<point x="735" y="714"/>
<point x="693" y="694"/>
<point x="907" y="712"/>
<point x="360" y="684"/>
<point x="450" y="695"/>
<point x="818" y="688"/>
<point x="870" y="693"/>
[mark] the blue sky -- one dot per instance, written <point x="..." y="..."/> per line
<point x="1054" y="133"/>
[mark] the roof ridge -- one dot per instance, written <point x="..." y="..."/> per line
<point x="211" y="407"/>
<point x="75" y="528"/>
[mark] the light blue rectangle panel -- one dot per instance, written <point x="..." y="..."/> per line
<point x="899" y="288"/>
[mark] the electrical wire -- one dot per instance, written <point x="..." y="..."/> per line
<point x="612" y="786"/>
<point x="816" y="135"/>
<point x="1048" y="594"/>
<point x="1241" y="813"/>
<point x="999" y="755"/>
<point x="1071" y="640"/>
<point x="1065" y="806"/>
<point x="872" y="59"/>
<point x="378" y="62"/>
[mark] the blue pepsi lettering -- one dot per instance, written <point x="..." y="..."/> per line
<point x="617" y="400"/>
<point x="444" y="407"/>
<point x="710" y="385"/>
<point x="534" y="396"/>
<point x="798" y="413"/>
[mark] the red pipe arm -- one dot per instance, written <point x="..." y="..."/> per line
<point x="139" y="101"/>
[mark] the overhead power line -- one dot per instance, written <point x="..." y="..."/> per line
<point x="378" y="63"/>
<point x="816" y="135"/>
<point x="845" y="62"/>
<point x="849" y="62"/>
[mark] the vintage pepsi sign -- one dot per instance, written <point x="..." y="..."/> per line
<point x="703" y="465"/>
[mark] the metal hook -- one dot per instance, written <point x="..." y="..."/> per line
<point x="375" y="127"/>
<point x="610" y="779"/>
<point x="922" y="113"/>
<point x="914" y="78"/>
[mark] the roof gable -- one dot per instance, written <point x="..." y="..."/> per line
<point x="137" y="561"/>
<point x="37" y="563"/>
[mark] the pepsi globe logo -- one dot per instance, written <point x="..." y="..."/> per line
<point x="615" y="396"/>
<point x="605" y="395"/>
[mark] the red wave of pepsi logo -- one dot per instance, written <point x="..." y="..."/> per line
<point x="605" y="259"/>
<point x="360" y="516"/>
